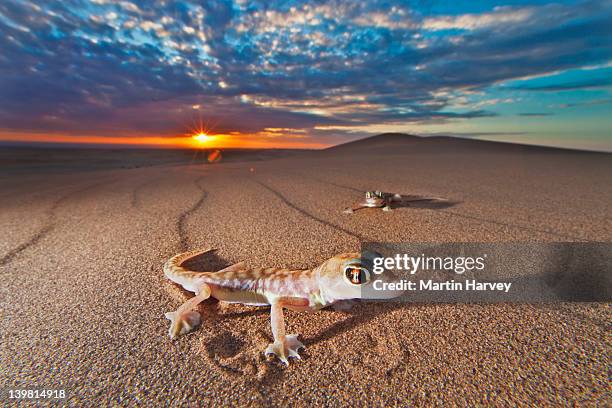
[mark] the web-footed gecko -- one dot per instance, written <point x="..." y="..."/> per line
<point x="375" y="199"/>
<point x="342" y="277"/>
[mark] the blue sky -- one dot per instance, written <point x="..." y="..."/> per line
<point x="293" y="73"/>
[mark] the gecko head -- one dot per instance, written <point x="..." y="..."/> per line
<point x="374" y="197"/>
<point x="349" y="276"/>
<point x="375" y="194"/>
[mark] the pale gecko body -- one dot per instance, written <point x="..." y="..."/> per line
<point x="339" y="278"/>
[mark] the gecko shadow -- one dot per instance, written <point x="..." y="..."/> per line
<point x="207" y="262"/>
<point x="419" y="201"/>
<point x="360" y="313"/>
<point x="224" y="345"/>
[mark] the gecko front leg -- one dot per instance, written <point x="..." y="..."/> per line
<point x="185" y="319"/>
<point x="350" y="210"/>
<point x="284" y="346"/>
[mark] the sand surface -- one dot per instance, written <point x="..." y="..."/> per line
<point x="83" y="294"/>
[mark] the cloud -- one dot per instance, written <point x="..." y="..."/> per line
<point x="109" y="68"/>
<point x="499" y="16"/>
<point x="568" y="86"/>
<point x="536" y="114"/>
<point x="588" y="102"/>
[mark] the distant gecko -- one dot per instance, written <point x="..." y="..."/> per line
<point x="339" y="278"/>
<point x="379" y="199"/>
<point x="375" y="199"/>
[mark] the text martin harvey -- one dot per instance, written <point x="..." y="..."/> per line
<point x="430" y="285"/>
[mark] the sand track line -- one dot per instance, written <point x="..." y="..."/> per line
<point x="49" y="224"/>
<point x="469" y="216"/>
<point x="307" y="214"/>
<point x="136" y="201"/>
<point x="182" y="218"/>
<point x="40" y="234"/>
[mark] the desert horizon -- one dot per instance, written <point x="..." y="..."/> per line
<point x="7" y="144"/>
<point x="60" y="158"/>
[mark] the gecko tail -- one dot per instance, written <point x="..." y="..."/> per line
<point x="174" y="270"/>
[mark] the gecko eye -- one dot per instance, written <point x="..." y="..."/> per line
<point x="356" y="275"/>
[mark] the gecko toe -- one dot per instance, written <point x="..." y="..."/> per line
<point x="278" y="350"/>
<point x="182" y="324"/>
<point x="285" y="350"/>
<point x="293" y="344"/>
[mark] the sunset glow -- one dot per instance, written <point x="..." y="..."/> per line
<point x="241" y="141"/>
<point x="201" y="138"/>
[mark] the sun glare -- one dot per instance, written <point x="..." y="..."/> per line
<point x="201" y="137"/>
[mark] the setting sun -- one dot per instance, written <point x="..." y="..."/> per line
<point x="201" y="137"/>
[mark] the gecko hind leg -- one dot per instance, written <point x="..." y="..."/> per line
<point x="185" y="319"/>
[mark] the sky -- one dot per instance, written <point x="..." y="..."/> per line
<point x="305" y="74"/>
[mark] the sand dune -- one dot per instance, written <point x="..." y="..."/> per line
<point x="83" y="294"/>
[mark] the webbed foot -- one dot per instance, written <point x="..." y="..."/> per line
<point x="287" y="349"/>
<point x="183" y="323"/>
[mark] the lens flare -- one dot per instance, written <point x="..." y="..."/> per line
<point x="214" y="156"/>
